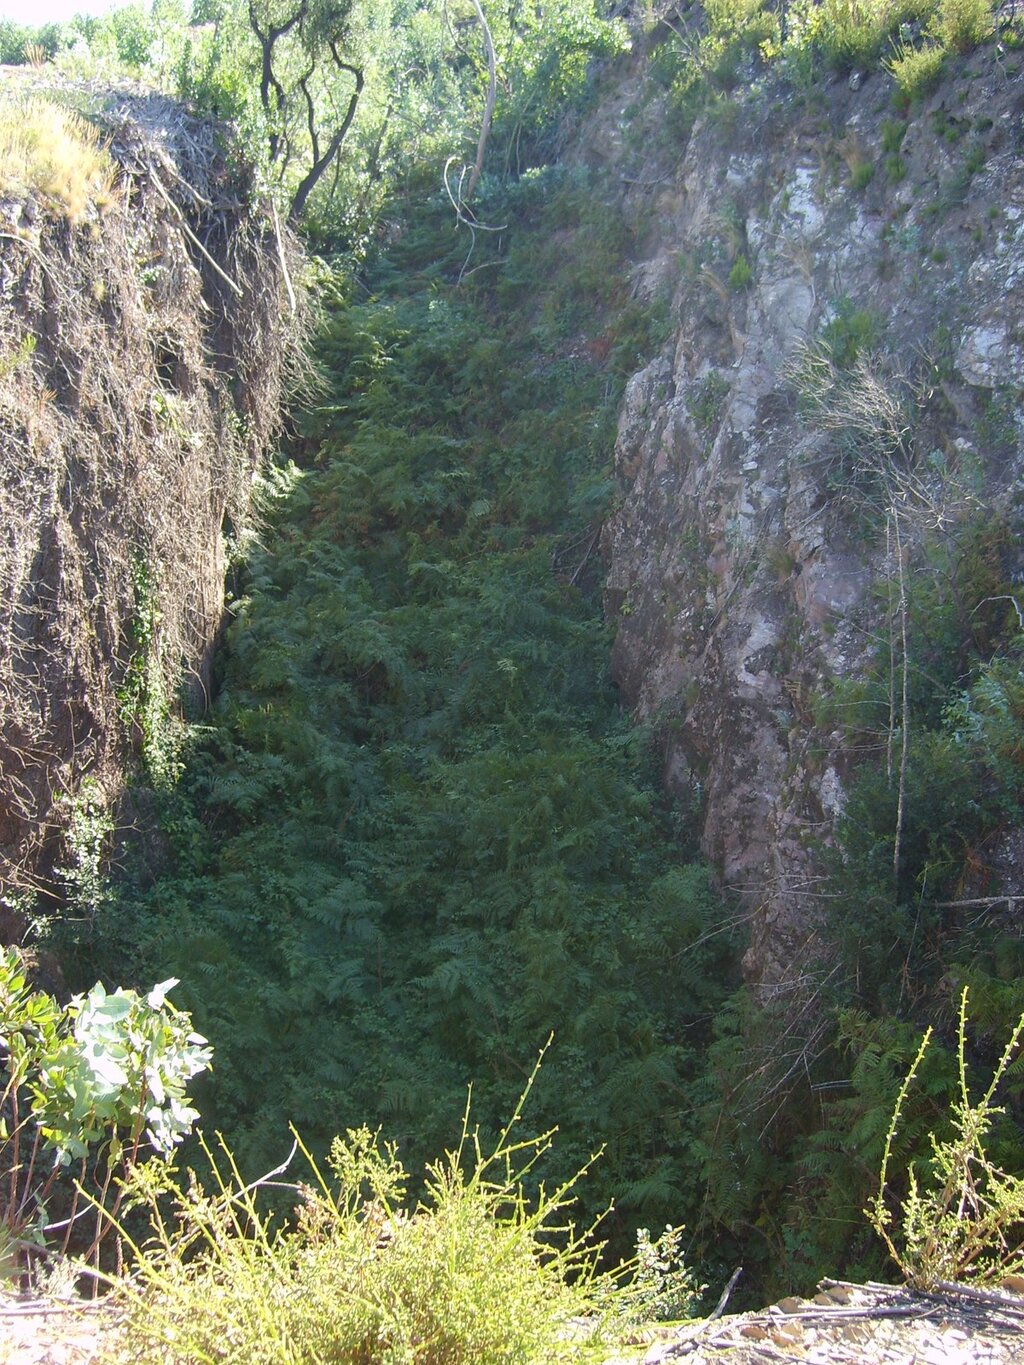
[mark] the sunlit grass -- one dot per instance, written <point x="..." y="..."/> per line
<point x="54" y="153"/>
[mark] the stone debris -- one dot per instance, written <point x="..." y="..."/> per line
<point x="40" y="1331"/>
<point x="872" y="1324"/>
<point x="843" y="1324"/>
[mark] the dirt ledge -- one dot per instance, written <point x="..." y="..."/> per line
<point x="844" y="1324"/>
<point x="848" y="1324"/>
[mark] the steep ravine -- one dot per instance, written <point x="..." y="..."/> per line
<point x="418" y="836"/>
<point x="749" y="571"/>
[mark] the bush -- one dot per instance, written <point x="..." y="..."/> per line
<point x="962" y="25"/>
<point x="13" y="38"/>
<point x="964" y="1222"/>
<point x="916" y="69"/>
<point x="852" y="33"/>
<point x="741" y="273"/>
<point x="869" y="408"/>
<point x="95" y="1082"/>
<point x="476" y="1272"/>
<point x="421" y="788"/>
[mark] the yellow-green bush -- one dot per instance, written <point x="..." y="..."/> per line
<point x="476" y="1271"/>
<point x="963" y="1220"/>
<point x="962" y="25"/>
<point x="916" y="69"/>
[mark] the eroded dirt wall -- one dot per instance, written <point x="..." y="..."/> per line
<point x="143" y="343"/>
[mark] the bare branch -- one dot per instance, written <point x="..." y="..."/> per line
<point x="235" y="289"/>
<point x="492" y="92"/>
<point x="282" y="258"/>
<point x="904" y="704"/>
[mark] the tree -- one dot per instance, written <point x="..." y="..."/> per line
<point x="298" y="87"/>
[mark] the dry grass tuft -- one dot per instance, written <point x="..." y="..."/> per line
<point x="52" y="152"/>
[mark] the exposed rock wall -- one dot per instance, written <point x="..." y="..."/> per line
<point x="142" y="345"/>
<point x="742" y="575"/>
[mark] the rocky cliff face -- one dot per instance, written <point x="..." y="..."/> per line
<point x="845" y="285"/>
<point x="143" y="333"/>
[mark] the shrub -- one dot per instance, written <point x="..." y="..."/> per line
<point x="988" y="720"/>
<point x="92" y="1082"/>
<point x="707" y="400"/>
<point x="869" y="406"/>
<point x="418" y="781"/>
<point x="895" y="168"/>
<point x="964" y="1221"/>
<point x="962" y="25"/>
<point x="741" y="273"/>
<point x="893" y="133"/>
<point x="739" y="25"/>
<point x="13" y="38"/>
<point x="853" y="32"/>
<point x="916" y="69"/>
<point x="476" y="1272"/>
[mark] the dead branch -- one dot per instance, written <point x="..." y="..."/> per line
<point x="282" y="258"/>
<point x="905" y="704"/>
<point x="977" y="902"/>
<point x="235" y="289"/>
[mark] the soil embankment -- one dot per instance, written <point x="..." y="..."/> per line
<point x="144" y="334"/>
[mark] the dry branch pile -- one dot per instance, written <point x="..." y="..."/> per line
<point x="143" y="347"/>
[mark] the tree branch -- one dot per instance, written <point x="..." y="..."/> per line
<point x="492" y="93"/>
<point x="273" y="108"/>
<point x="321" y="162"/>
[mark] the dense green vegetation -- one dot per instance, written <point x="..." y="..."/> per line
<point x="416" y="835"/>
<point x="811" y="1091"/>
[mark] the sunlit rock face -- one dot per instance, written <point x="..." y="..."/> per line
<point x="750" y="555"/>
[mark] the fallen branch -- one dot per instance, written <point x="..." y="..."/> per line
<point x="191" y="235"/>
<point x="977" y="902"/>
<point x="720" y="1306"/>
<point x="994" y="1297"/>
<point x="460" y="206"/>
<point x="281" y="257"/>
<point x="36" y="1308"/>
